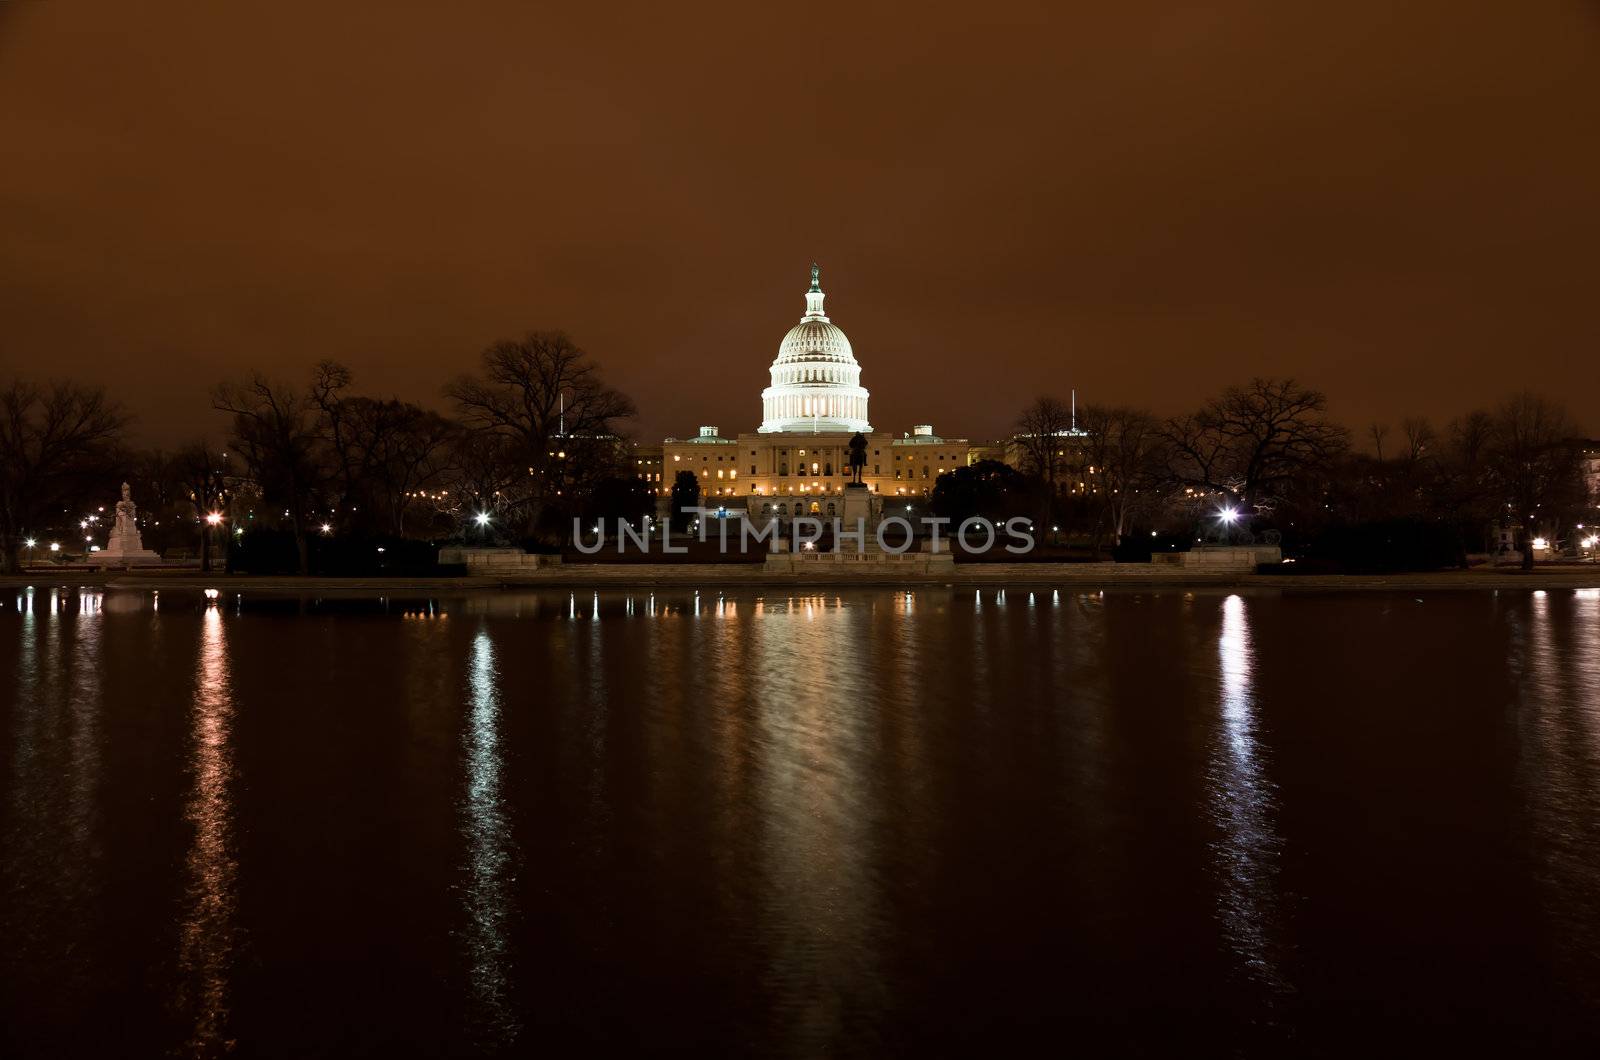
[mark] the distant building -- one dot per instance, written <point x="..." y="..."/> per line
<point x="797" y="461"/>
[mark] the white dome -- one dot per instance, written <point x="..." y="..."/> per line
<point x="816" y="382"/>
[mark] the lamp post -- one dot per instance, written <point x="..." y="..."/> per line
<point x="1228" y="516"/>
<point x="213" y="520"/>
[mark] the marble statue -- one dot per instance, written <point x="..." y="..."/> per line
<point x="125" y="546"/>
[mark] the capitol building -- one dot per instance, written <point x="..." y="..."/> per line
<point x="798" y="460"/>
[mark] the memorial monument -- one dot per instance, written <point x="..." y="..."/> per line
<point x="125" y="547"/>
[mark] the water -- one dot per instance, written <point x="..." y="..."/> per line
<point x="771" y="824"/>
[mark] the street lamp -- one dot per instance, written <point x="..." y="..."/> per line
<point x="213" y="520"/>
<point x="1227" y="517"/>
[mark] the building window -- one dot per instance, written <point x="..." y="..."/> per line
<point x="752" y="469"/>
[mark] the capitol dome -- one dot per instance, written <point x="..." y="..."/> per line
<point x="816" y="382"/>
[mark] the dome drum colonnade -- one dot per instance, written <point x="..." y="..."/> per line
<point x="816" y="382"/>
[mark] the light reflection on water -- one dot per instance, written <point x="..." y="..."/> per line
<point x="1560" y="723"/>
<point x="809" y="753"/>
<point x="208" y="933"/>
<point x="491" y="852"/>
<point x="857" y="816"/>
<point x="1243" y="805"/>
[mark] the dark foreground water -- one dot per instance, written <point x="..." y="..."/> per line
<point x="800" y="825"/>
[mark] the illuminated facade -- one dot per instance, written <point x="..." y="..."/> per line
<point x="816" y="382"/>
<point x="798" y="461"/>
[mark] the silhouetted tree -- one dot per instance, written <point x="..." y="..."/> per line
<point x="202" y="472"/>
<point x="1256" y="442"/>
<point x="1421" y="440"/>
<point x="55" y="440"/>
<point x="1536" y="466"/>
<point x="1379" y="432"/>
<point x="275" y="432"/>
<point x="624" y="497"/>
<point x="988" y="488"/>
<point x="544" y="398"/>
<point x="385" y="453"/>
<point x="685" y="495"/>
<point x="1127" y="452"/>
<point x="1042" y="436"/>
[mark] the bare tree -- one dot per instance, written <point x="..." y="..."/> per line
<point x="544" y="397"/>
<point x="1535" y="465"/>
<point x="382" y="451"/>
<point x="1199" y="456"/>
<point x="1126" y="455"/>
<point x="54" y="440"/>
<point x="276" y="434"/>
<point x="1256" y="441"/>
<point x="1043" y="435"/>
<point x="1378" y="431"/>
<point x="329" y="381"/>
<point x="411" y="451"/>
<point x="203" y="475"/>
<point x="1420" y="439"/>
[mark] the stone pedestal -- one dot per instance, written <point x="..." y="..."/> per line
<point x="861" y="511"/>
<point x="125" y="549"/>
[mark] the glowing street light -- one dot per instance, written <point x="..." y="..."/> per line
<point x="482" y="518"/>
<point x="326" y="528"/>
<point x="1228" y="515"/>
<point x="215" y="518"/>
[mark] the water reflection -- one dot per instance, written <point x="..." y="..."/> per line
<point x="1242" y="805"/>
<point x="87" y="633"/>
<point x="1560" y="719"/>
<point x="490" y="852"/>
<point x="814" y="745"/>
<point x="208" y="933"/>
